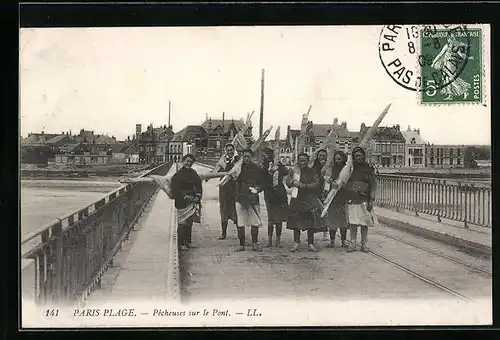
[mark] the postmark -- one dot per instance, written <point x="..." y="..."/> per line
<point x="443" y="63"/>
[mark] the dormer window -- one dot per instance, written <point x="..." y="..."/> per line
<point x="413" y="141"/>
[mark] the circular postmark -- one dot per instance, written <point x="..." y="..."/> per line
<point x="424" y="57"/>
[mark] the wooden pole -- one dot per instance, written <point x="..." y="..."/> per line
<point x="261" y="124"/>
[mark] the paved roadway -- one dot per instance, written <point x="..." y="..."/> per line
<point x="215" y="271"/>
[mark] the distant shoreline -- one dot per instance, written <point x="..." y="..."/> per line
<point x="66" y="172"/>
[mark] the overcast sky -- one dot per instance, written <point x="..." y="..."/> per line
<point x="109" y="79"/>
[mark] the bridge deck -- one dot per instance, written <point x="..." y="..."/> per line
<point x="214" y="271"/>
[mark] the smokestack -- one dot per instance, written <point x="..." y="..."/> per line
<point x="261" y="125"/>
<point x="169" y="106"/>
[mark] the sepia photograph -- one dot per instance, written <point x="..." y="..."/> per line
<point x="253" y="176"/>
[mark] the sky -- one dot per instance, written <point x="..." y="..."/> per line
<point x="109" y="79"/>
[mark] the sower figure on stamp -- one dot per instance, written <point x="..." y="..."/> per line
<point x="319" y="166"/>
<point x="337" y="210"/>
<point x="275" y="195"/>
<point x="249" y="184"/>
<point x="227" y="191"/>
<point x="305" y="209"/>
<point x="360" y="195"/>
<point x="187" y="193"/>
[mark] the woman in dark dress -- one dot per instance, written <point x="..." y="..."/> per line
<point x="337" y="210"/>
<point x="227" y="191"/>
<point x="319" y="166"/>
<point x="305" y="209"/>
<point x="187" y="193"/>
<point x="275" y="195"/>
<point x="249" y="183"/>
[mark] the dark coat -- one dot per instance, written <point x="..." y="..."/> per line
<point x="362" y="184"/>
<point x="251" y="175"/>
<point x="185" y="182"/>
<point x="276" y="197"/>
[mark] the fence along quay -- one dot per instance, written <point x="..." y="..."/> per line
<point x="63" y="261"/>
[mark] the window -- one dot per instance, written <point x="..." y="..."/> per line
<point x="459" y="161"/>
<point x="413" y="140"/>
<point x="417" y="161"/>
<point x="410" y="151"/>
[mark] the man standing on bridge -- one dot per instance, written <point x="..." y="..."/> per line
<point x="360" y="195"/>
<point x="249" y="184"/>
<point x="227" y="191"/>
<point x="187" y="192"/>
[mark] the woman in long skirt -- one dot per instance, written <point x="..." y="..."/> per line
<point x="319" y="166"/>
<point x="249" y="184"/>
<point x="337" y="210"/>
<point x="305" y="209"/>
<point x="275" y="195"/>
<point x="187" y="192"/>
<point x="227" y="191"/>
<point x="360" y="195"/>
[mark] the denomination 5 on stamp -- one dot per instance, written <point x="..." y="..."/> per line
<point x="442" y="63"/>
<point x="459" y="60"/>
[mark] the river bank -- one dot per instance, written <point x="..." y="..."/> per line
<point x="53" y="171"/>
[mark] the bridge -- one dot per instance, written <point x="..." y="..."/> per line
<point x="433" y="245"/>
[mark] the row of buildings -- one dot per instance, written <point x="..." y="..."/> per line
<point x="154" y="145"/>
<point x="390" y="147"/>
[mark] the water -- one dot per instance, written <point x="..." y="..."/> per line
<point x="42" y="201"/>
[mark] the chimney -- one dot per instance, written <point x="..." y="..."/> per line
<point x="344" y="124"/>
<point x="169" y="106"/>
<point x="43" y="132"/>
<point x="418" y="132"/>
<point x="223" y="120"/>
<point x="408" y="128"/>
<point x="397" y="127"/>
<point x="335" y="121"/>
<point x="363" y="126"/>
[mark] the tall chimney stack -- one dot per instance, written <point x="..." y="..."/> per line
<point x="261" y="124"/>
<point x="169" y="106"/>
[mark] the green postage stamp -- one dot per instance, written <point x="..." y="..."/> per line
<point x="455" y="73"/>
<point x="444" y="64"/>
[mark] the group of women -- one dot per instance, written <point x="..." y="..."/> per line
<point x="350" y="210"/>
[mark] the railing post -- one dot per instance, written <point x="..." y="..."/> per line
<point x="58" y="261"/>
<point x="466" y="215"/>
<point x="439" y="199"/>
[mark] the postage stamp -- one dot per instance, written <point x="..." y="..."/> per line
<point x="442" y="63"/>
<point x="459" y="60"/>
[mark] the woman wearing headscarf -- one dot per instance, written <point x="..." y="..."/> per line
<point x="227" y="191"/>
<point x="249" y="183"/>
<point x="305" y="209"/>
<point x="275" y="195"/>
<point x="187" y="192"/>
<point x="360" y="195"/>
<point x="337" y="210"/>
<point x="319" y="166"/>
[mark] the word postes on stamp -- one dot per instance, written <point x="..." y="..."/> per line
<point x="443" y="63"/>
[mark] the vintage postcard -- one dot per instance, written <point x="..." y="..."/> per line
<point x="256" y="176"/>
